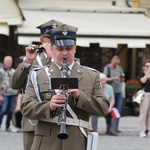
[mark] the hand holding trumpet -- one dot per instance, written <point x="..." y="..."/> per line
<point x="57" y="101"/>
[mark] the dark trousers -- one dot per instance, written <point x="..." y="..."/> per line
<point x="8" y="106"/>
<point x="108" y="118"/>
<point x="118" y="105"/>
<point x="18" y="117"/>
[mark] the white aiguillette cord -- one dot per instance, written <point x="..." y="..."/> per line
<point x="34" y="82"/>
<point x="39" y="60"/>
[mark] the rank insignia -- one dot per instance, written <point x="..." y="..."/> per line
<point x="54" y="24"/>
<point x="64" y="30"/>
<point x="48" y="95"/>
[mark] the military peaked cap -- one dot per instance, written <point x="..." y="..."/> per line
<point x="48" y="26"/>
<point x="63" y="35"/>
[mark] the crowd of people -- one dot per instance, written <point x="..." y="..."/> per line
<point x="27" y="92"/>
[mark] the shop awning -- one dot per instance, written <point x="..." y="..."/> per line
<point x="4" y="29"/>
<point x="107" y="29"/>
<point x="10" y="14"/>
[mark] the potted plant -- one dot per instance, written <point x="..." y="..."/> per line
<point x="132" y="86"/>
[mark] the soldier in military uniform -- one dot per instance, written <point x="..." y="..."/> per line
<point x="33" y="60"/>
<point x="88" y="99"/>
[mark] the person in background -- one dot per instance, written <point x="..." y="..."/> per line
<point x="115" y="77"/>
<point x="7" y="94"/>
<point x="18" y="114"/>
<point x="1" y="65"/>
<point x="144" y="115"/>
<point x="88" y="99"/>
<point x="33" y="60"/>
<point x="108" y="90"/>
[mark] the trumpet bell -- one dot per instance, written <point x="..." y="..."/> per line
<point x="62" y="136"/>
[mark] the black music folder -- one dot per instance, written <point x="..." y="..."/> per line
<point x="69" y="83"/>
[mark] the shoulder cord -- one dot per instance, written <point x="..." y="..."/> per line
<point x="34" y="82"/>
<point x="68" y="106"/>
<point x="39" y="60"/>
<point x="40" y="64"/>
<point x="35" y="86"/>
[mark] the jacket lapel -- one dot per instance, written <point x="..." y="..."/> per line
<point x="54" y="71"/>
<point x="76" y="72"/>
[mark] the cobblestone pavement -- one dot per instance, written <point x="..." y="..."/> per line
<point x="128" y="139"/>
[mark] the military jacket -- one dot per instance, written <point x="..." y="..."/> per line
<point x="91" y="101"/>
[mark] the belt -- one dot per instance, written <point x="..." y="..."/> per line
<point x="69" y="121"/>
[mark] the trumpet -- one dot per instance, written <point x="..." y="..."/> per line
<point x="63" y="134"/>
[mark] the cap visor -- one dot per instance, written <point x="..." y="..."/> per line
<point x="65" y="42"/>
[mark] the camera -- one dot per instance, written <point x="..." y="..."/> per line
<point x="121" y="78"/>
<point x="40" y="49"/>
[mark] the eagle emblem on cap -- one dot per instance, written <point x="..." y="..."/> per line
<point x="64" y="30"/>
<point x="54" y="26"/>
<point x="47" y="30"/>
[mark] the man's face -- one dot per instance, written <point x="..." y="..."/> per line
<point x="47" y="46"/>
<point x="8" y="62"/>
<point x="44" y="40"/>
<point x="116" y="62"/>
<point x="103" y="82"/>
<point x="66" y="52"/>
<point x="147" y="66"/>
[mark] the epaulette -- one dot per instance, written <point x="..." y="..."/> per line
<point x="89" y="68"/>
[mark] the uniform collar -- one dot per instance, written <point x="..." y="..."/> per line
<point x="70" y="66"/>
<point x="75" y="71"/>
